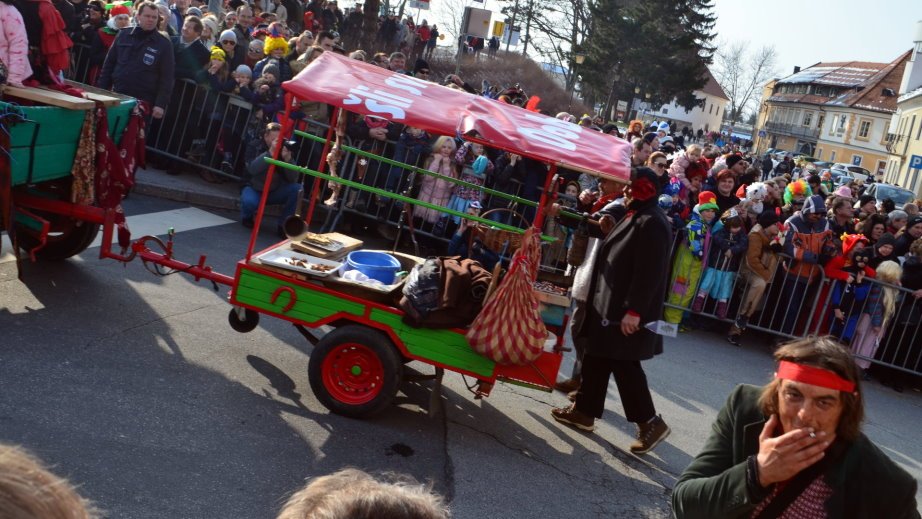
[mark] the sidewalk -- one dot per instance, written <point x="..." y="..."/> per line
<point x="188" y="187"/>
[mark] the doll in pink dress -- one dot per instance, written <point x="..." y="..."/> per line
<point x="435" y="190"/>
<point x="14" y="45"/>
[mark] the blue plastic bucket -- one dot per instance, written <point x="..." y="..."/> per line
<point x="375" y="265"/>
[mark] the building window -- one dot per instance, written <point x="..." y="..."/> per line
<point x="856" y="160"/>
<point x="919" y="133"/>
<point x="711" y="109"/>
<point x="819" y="153"/>
<point x="864" y="129"/>
<point x="840" y="127"/>
<point x="808" y="118"/>
<point x="718" y="110"/>
<point x="832" y="125"/>
<point x="832" y="156"/>
<point x="665" y="110"/>
<point x="883" y="136"/>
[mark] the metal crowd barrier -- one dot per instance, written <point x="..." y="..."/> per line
<point x="790" y="307"/>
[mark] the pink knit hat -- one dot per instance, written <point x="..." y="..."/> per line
<point x="843" y="191"/>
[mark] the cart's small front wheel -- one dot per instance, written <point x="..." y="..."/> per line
<point x="355" y="371"/>
<point x="243" y="321"/>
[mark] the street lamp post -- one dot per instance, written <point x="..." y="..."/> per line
<point x="578" y="59"/>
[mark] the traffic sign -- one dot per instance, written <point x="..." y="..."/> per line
<point x="915" y="162"/>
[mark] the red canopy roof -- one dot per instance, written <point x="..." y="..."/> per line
<point x="366" y="89"/>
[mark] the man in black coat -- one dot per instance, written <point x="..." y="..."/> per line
<point x="140" y="62"/>
<point x="627" y="289"/>
<point x="189" y="53"/>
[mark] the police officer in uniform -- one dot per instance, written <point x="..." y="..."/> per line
<point x="140" y="62"/>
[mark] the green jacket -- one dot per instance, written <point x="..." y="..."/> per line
<point x="866" y="482"/>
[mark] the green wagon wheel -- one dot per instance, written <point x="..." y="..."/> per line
<point x="355" y="371"/>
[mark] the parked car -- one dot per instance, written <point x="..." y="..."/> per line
<point x="882" y="192"/>
<point x="855" y="171"/>
<point x="840" y="179"/>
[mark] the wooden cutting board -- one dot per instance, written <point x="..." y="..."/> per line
<point x="349" y="244"/>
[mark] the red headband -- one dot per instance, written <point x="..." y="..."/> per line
<point x="814" y="376"/>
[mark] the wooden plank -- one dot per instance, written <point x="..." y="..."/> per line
<point x="106" y="101"/>
<point x="49" y="97"/>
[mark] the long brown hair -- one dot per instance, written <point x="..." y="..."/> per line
<point x="825" y="353"/>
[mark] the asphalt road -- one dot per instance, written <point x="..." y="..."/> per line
<point x="135" y="387"/>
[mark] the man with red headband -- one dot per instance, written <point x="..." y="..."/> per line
<point x="794" y="449"/>
<point x="626" y="287"/>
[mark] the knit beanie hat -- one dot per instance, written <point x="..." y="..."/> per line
<point x="273" y="69"/>
<point x="212" y="23"/>
<point x="767" y="218"/>
<point x="914" y="220"/>
<point x="228" y="35"/>
<point x="118" y="10"/>
<point x="420" y="64"/>
<point x="814" y="205"/>
<point x="664" y="127"/>
<point x="885" y="239"/>
<point x="218" y="54"/>
<point x="245" y="70"/>
<point x="194" y="11"/>
<point x="706" y="200"/>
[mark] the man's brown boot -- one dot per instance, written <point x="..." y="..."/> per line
<point x="570" y="384"/>
<point x="649" y="435"/>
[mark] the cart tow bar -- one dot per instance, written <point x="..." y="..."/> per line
<point x="198" y="271"/>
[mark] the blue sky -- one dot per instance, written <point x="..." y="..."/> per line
<point x="805" y="32"/>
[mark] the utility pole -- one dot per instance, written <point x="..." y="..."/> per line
<point x="515" y="11"/>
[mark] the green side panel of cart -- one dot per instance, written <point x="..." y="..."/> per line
<point x="442" y="346"/>
<point x="256" y="290"/>
<point x="43" y="146"/>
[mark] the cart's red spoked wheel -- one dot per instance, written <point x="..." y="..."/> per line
<point x="353" y="373"/>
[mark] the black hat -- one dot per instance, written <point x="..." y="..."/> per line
<point x="914" y="220"/>
<point x="420" y="64"/>
<point x="767" y="218"/>
<point x="863" y="199"/>
<point x="885" y="239"/>
<point x="648" y="138"/>
<point x="732" y="160"/>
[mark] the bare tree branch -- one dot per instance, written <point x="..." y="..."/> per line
<point x="742" y="74"/>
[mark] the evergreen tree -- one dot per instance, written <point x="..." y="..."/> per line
<point x="659" y="46"/>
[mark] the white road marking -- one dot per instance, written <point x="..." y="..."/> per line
<point x="6" y="249"/>
<point x="157" y="224"/>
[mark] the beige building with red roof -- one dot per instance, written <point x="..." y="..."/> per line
<point x="707" y="116"/>
<point x="837" y="112"/>
<point x="904" y="141"/>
